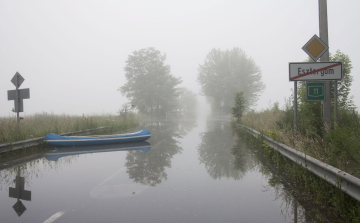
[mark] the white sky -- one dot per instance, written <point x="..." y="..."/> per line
<point x="72" y="53"/>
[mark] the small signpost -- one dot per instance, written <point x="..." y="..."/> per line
<point x="18" y="95"/>
<point x="315" y="91"/>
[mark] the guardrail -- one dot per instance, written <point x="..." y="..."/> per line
<point x="36" y="141"/>
<point x="346" y="182"/>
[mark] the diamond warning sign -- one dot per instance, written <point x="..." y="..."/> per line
<point x="315" y="48"/>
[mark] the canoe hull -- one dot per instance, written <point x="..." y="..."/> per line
<point x="56" y="140"/>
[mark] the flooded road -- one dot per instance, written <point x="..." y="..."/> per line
<point x="191" y="170"/>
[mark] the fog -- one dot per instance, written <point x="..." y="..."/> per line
<point x="72" y="53"/>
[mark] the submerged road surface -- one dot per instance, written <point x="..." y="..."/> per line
<point x="194" y="170"/>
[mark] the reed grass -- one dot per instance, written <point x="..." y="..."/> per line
<point x="41" y="124"/>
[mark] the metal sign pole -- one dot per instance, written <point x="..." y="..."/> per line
<point x="17" y="101"/>
<point x="335" y="102"/>
<point x="295" y="107"/>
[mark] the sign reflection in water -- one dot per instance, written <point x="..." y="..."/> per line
<point x="19" y="193"/>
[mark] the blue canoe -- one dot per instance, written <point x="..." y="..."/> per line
<point x="55" y="154"/>
<point x="56" y="140"/>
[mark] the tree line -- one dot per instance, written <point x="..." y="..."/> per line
<point x="152" y="89"/>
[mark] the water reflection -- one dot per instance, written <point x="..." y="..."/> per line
<point x="215" y="152"/>
<point x="107" y="187"/>
<point x="242" y="158"/>
<point x="180" y="124"/>
<point x="55" y="154"/>
<point x="226" y="155"/>
<point x="277" y="182"/>
<point x="149" y="169"/>
<point x="19" y="193"/>
<point x="148" y="166"/>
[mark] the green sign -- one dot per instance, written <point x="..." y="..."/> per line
<point x="315" y="91"/>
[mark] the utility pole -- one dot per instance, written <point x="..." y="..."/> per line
<point x="323" y="28"/>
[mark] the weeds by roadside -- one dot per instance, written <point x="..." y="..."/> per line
<point x="41" y="124"/>
<point x="339" y="147"/>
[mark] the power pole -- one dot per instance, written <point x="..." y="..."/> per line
<point x="323" y="28"/>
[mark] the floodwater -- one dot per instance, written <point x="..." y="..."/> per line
<point x="191" y="170"/>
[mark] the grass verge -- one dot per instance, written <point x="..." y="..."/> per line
<point x="41" y="124"/>
<point x="339" y="147"/>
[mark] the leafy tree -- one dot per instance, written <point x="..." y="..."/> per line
<point x="238" y="110"/>
<point x="188" y="100"/>
<point x="126" y="110"/>
<point x="150" y="86"/>
<point x="226" y="72"/>
<point x="344" y="99"/>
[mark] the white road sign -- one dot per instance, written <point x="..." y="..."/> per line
<point x="315" y="71"/>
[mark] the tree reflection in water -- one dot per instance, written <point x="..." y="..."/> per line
<point x="215" y="151"/>
<point x="149" y="168"/>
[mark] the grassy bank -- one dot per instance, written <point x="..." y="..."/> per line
<point x="339" y="147"/>
<point x="41" y="124"/>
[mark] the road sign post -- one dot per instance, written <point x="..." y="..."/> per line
<point x="295" y="107"/>
<point x="18" y="95"/>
